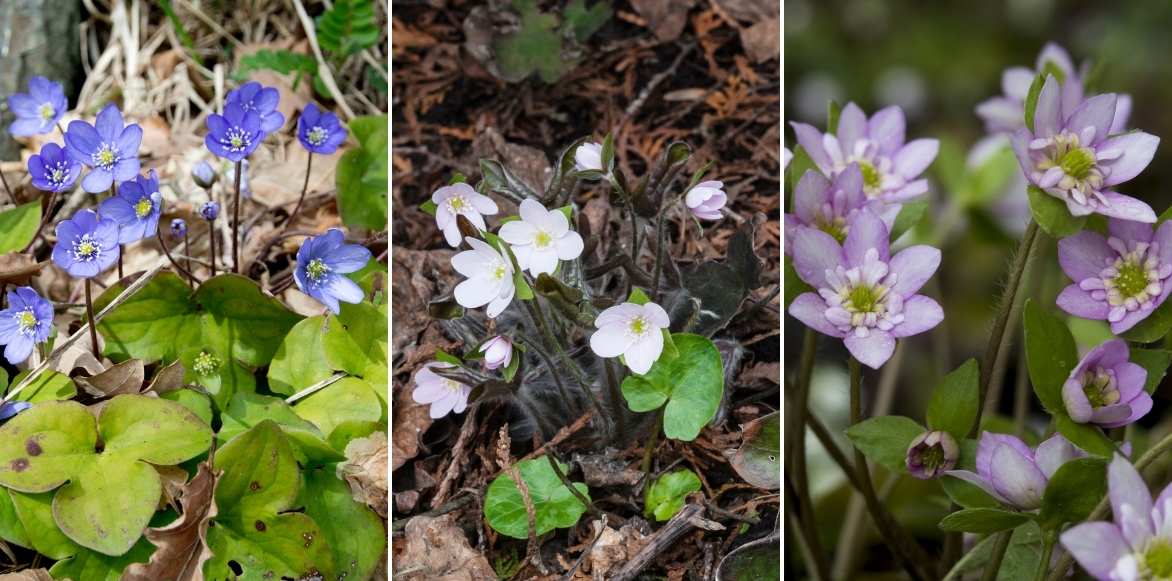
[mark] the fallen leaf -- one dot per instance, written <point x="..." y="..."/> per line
<point x="762" y="41"/>
<point x="437" y="550"/>
<point x="365" y="469"/>
<point x="125" y="377"/>
<point x="28" y="575"/>
<point x="405" y="501"/>
<point x="757" y="373"/>
<point x="17" y="268"/>
<point x="182" y="545"/>
<point x="529" y="164"/>
<point x="301" y="303"/>
<point x="79" y="355"/>
<point x="750" y="10"/>
<point x="169" y="378"/>
<point x="666" y="18"/>
<point x="409" y="421"/>
<point x="606" y="469"/>
<point x="613" y="548"/>
<point x="277" y="180"/>
<point x="757" y="460"/>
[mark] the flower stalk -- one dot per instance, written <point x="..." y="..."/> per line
<point x="236" y="221"/>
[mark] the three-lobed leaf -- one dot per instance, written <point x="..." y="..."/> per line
<point x="691" y="385"/>
<point x="665" y="497"/>
<point x="1052" y="215"/>
<point x="554" y="505"/>
<point x="1073" y="491"/>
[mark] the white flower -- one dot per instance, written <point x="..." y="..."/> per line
<point x="706" y="199"/>
<point x="498" y="352"/>
<point x="633" y="331"/>
<point x="451" y="201"/>
<point x="588" y="156"/>
<point x="540" y="238"/>
<point x="490" y="278"/>
<point x="445" y="395"/>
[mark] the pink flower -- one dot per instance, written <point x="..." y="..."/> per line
<point x="706" y="199"/>
<point x="498" y="352"/>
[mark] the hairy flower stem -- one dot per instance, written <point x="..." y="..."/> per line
<point x="796" y="445"/>
<point x="212" y="245"/>
<point x="657" y="270"/>
<point x="1048" y="539"/>
<point x="994" y="565"/>
<point x="301" y="200"/>
<point x="616" y="399"/>
<point x="539" y="320"/>
<point x="909" y="554"/>
<point x="548" y="361"/>
<point x="89" y="313"/>
<point x="186" y="273"/>
<point x="236" y="222"/>
<point x="649" y="449"/>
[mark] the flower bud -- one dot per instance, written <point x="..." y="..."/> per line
<point x="204" y="175"/>
<point x="706" y="199"/>
<point x="178" y="228"/>
<point x="498" y="352"/>
<point x="588" y="156"/>
<point x="209" y="211"/>
<point x="931" y="454"/>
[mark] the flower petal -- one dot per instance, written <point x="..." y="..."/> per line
<point x="810" y="309"/>
<point x="921" y="314"/>
<point x="811" y="141"/>
<point x="1127" y="208"/>
<point x="1097" y="112"/>
<point x="915" y="157"/>
<point x="815" y="252"/>
<point x="1126" y="487"/>
<point x="867" y="231"/>
<point x="1017" y="478"/>
<point x="1096" y="546"/>
<point x="913" y="267"/>
<point x="873" y="350"/>
<point x="569" y="246"/>
<point x="611" y="341"/>
<point x="886" y="128"/>
<point x="1053" y="453"/>
<point x="1084" y="255"/>
<point x="1138" y="149"/>
<point x="642" y="354"/>
<point x="852" y="126"/>
<point x="1079" y="303"/>
<point x="1048" y="112"/>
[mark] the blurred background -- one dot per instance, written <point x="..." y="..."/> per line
<point x="938" y="60"/>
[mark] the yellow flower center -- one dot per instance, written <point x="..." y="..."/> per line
<point x="205" y="363"/>
<point x="542" y="239"/>
<point x="46" y="111"/>
<point x="456" y="203"/>
<point x="317" y="135"/>
<point x="143" y="207"/>
<point x="26" y="320"/>
<point x="316" y="269"/>
<point x="639" y="326"/>
<point x="85" y="249"/>
<point x="105" y="157"/>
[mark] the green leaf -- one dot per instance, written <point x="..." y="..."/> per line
<point x="355" y="533"/>
<point x="1052" y="215"/>
<point x="667" y="493"/>
<point x="48" y="386"/>
<point x="983" y="520"/>
<point x="1088" y="437"/>
<point x="1153" y="328"/>
<point x="691" y="384"/>
<point x="109" y="505"/>
<point x="347" y="400"/>
<point x="985" y="183"/>
<point x="355" y="341"/>
<point x="1155" y="362"/>
<point x="11" y="529"/>
<point x="794" y="285"/>
<point x="554" y="506"/>
<point x="1073" y="491"/>
<point x="63" y="435"/>
<point x="757" y="560"/>
<point x="254" y="528"/>
<point x="228" y="315"/>
<point x="348" y="28"/>
<point x="885" y="440"/>
<point x="18" y="226"/>
<point x="301" y="360"/>
<point x="35" y="512"/>
<point x="248" y="410"/>
<point x="534" y="46"/>
<point x="909" y="216"/>
<point x="284" y="62"/>
<point x="638" y="296"/>
<point x="833" y="112"/>
<point x="89" y="565"/>
<point x="219" y="375"/>
<point x="953" y="407"/>
<point x="362" y="175"/>
<point x="1031" y="102"/>
<point x="607" y="153"/>
<point x="428" y="208"/>
<point x="1050" y="355"/>
<point x="757" y="460"/>
<point x="583" y="22"/>
<point x="967" y="494"/>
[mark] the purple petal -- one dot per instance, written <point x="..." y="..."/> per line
<point x="852" y="126"/>
<point x="109" y="123"/>
<point x="867" y="231"/>
<point x="1084" y="255"/>
<point x="1097" y="112"/>
<point x="920" y="314"/>
<point x="1079" y="303"/>
<point x="1131" y="378"/>
<point x="19" y="349"/>
<point x="1138" y="148"/>
<point x="1111" y="354"/>
<point x="1097" y="546"/>
<point x="1111" y="415"/>
<point x="915" y="157"/>
<point x="81" y="140"/>
<point x="1048" y="112"/>
<point x="908" y="192"/>
<point x="811" y="140"/>
<point x="1137" y="408"/>
<point x="1074" y="399"/>
<point x="1127" y="208"/>
<point x="990" y="442"/>
<point x="129" y="141"/>
<point x="1126" y="487"/>
<point x="1017" y="478"/>
<point x="24" y="127"/>
<point x="1130" y="230"/>
<point x="24" y="105"/>
<point x="810" y="309"/>
<point x="974" y="478"/>
<point x="1053" y="453"/>
<point x="348" y="258"/>
<point x="913" y="267"/>
<point x="873" y="350"/>
<point x="850" y="182"/>
<point x="1015" y="83"/>
<point x="1000" y="114"/>
<point x="886" y="128"/>
<point x="97" y="181"/>
<point x="1122" y="114"/>
<point x="810" y="194"/>
<point x="815" y="252"/>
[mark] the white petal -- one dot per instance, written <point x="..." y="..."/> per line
<point x="543" y="260"/>
<point x="569" y="246"/>
<point x="518" y="232"/>
<point x="501" y="302"/>
<point x="656" y="315"/>
<point x="618" y="315"/>
<point x="611" y="341"/>
<point x="643" y="353"/>
<point x="468" y="263"/>
<point x="476" y="292"/>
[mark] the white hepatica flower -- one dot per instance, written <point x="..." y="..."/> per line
<point x="498" y="352"/>
<point x="456" y="199"/>
<point x="490" y="278"/>
<point x="443" y="394"/>
<point x="540" y="238"/>
<point x="633" y="331"/>
<point x="706" y="199"/>
<point x="588" y="156"/>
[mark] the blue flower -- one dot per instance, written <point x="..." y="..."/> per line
<point x="209" y="211"/>
<point x="38" y="110"/>
<point x="178" y="227"/>
<point x="53" y="170"/>
<point x="107" y="147"/>
<point x="203" y="175"/>
<point x="235" y="134"/>
<point x="12" y="408"/>
<point x="321" y="262"/>
<point x="136" y="208"/>
<point x="318" y="131"/>
<point x="26" y="322"/>
<point x="86" y="245"/>
<point x="261" y="100"/>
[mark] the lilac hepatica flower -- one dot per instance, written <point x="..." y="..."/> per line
<point x="10" y="409"/>
<point x="235" y="134"/>
<point x="541" y="238"/>
<point x="107" y="147"/>
<point x="443" y="394"/>
<point x="1014" y="474"/>
<point x="86" y="245"/>
<point x="706" y="199"/>
<point x="490" y="278"/>
<point x="1107" y="389"/>
<point x="498" y="352"/>
<point x="828" y="205"/>
<point x="932" y="454"/>
<point x="319" y="131"/>
<point x="588" y="157"/>
<point x="136" y="208"/>
<point x="632" y="331"/>
<point x="460" y="199"/>
<point x="1138" y="544"/>
<point x="864" y="295"/>
<point x="26" y="322"/>
<point x="321" y="262"/>
<point x="890" y="166"/>
<point x="1120" y="279"/>
<point x="38" y="110"/>
<point x="53" y="170"/>
<point x="1071" y="155"/>
<point x="256" y="98"/>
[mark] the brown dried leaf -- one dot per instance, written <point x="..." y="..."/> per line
<point x="182" y="545"/>
<point x="750" y="10"/>
<point x="365" y="469"/>
<point x="277" y="180"/>
<point x="17" y="268"/>
<point x="169" y="378"/>
<point x="762" y="41"/>
<point x="408" y="423"/>
<point x="614" y="547"/>
<point x="437" y="550"/>
<point x="125" y="377"/>
<point x="666" y="18"/>
<point x="79" y="355"/>
<point x="28" y="575"/>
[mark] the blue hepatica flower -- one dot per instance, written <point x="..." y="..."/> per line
<point x="38" y="110"/>
<point x="53" y="170"/>
<point x="178" y="227"/>
<point x="235" y="134"/>
<point x="261" y="100"/>
<point x="321" y="262"/>
<point x="108" y="147"/>
<point x="26" y="322"/>
<point x="136" y="208"/>
<point x="10" y="409"/>
<point x="319" y="131"/>
<point x="86" y="245"/>
<point x="209" y="210"/>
